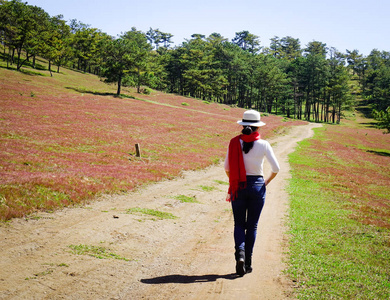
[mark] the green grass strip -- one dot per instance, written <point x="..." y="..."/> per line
<point x="221" y="182"/>
<point x="186" y="199"/>
<point x="98" y="252"/>
<point x="207" y="188"/>
<point x="332" y="256"/>
<point x="151" y="212"/>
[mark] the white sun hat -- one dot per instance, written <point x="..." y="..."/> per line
<point x="251" y="118"/>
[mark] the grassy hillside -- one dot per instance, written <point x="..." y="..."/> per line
<point x="67" y="138"/>
<point x="340" y="213"/>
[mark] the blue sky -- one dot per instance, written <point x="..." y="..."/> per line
<point x="344" y="24"/>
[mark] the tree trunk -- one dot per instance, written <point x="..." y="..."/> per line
<point x="18" y="65"/>
<point x="339" y="113"/>
<point x="8" y="57"/>
<point x="118" y="92"/>
<point x="333" y="114"/>
<point x="138" y="81"/>
<point x="51" y="74"/>
<point x="13" y="56"/>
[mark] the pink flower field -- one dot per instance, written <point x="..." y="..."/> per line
<point x="66" y="139"/>
<point x="355" y="162"/>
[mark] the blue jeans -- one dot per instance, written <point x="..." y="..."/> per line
<point x="247" y="208"/>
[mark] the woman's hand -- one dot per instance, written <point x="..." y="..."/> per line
<point x="272" y="176"/>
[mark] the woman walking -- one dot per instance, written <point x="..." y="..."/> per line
<point x="244" y="167"/>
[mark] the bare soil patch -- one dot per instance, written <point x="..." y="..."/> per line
<point x="190" y="257"/>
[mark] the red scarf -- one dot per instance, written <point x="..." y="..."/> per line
<point x="237" y="174"/>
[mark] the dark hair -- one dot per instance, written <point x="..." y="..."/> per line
<point x="247" y="131"/>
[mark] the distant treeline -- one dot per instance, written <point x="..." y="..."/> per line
<point x="311" y="83"/>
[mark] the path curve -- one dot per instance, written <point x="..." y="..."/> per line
<point x="190" y="257"/>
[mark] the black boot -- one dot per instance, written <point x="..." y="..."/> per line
<point x="240" y="263"/>
<point x="248" y="264"/>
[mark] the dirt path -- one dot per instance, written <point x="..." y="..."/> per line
<point x="190" y="257"/>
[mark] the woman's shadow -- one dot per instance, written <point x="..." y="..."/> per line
<point x="188" y="278"/>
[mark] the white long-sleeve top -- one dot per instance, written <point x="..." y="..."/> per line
<point x="254" y="159"/>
